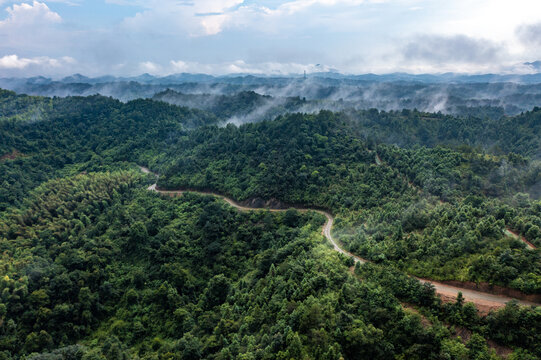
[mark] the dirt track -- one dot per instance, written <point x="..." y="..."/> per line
<point x="484" y="301"/>
<point x="513" y="234"/>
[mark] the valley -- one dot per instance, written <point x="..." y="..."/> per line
<point x="270" y="180"/>
<point x="136" y="272"/>
<point x="483" y="300"/>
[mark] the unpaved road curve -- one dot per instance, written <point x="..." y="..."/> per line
<point x="326" y="231"/>
<point x="513" y="234"/>
<point x="507" y="231"/>
<point x="484" y="301"/>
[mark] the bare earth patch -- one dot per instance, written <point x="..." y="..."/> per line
<point x="11" y="156"/>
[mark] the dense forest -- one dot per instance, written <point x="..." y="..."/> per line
<point x="459" y="95"/>
<point x="498" y="135"/>
<point x="435" y="210"/>
<point x="94" y="266"/>
<point x="62" y="136"/>
<point x="96" y="259"/>
<point x="242" y="107"/>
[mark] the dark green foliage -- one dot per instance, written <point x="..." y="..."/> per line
<point x="68" y="278"/>
<point x="90" y="257"/>
<point x="387" y="212"/>
<point x="245" y="106"/>
<point x="499" y="134"/>
<point x="300" y="159"/>
<point x="75" y="134"/>
<point x="517" y="326"/>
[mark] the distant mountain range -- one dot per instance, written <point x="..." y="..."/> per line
<point x="449" y="93"/>
<point x="245" y="79"/>
<point x="534" y="65"/>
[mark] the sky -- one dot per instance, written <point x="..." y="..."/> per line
<point x="273" y="37"/>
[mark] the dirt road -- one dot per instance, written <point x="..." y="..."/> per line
<point x="513" y="234"/>
<point x="484" y="301"/>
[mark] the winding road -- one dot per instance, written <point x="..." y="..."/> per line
<point x="514" y="235"/>
<point x="484" y="301"/>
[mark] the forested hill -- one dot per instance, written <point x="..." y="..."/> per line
<point x="290" y="157"/>
<point x="452" y="94"/>
<point x="501" y="135"/>
<point x="239" y="108"/>
<point x="96" y="267"/>
<point x="20" y="108"/>
<point x="480" y="127"/>
<point x="300" y="159"/>
<point x="44" y="138"/>
<point x="90" y="257"/>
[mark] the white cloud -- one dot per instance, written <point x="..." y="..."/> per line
<point x="31" y="28"/>
<point x="11" y="62"/>
<point x="197" y="18"/>
<point x="241" y="67"/>
<point x="530" y="34"/>
<point x="452" y="49"/>
<point x="24" y="14"/>
<point x="292" y="7"/>
<point x="186" y="23"/>
<point x="276" y="36"/>
<point x="150" y="67"/>
<point x="211" y="17"/>
<point x="496" y="20"/>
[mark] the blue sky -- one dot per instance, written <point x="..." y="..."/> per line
<point x="129" y="37"/>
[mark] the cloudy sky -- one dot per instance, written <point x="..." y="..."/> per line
<point x="130" y="37"/>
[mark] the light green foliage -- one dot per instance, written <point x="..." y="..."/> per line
<point x="90" y="257"/>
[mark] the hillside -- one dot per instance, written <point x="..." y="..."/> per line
<point x="95" y="266"/>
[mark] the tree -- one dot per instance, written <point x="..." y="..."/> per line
<point x="217" y="291"/>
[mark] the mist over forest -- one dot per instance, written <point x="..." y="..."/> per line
<point x="270" y="180"/>
<point x="374" y="183"/>
<point x="450" y="94"/>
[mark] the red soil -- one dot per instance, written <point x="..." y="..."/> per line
<point x="11" y="156"/>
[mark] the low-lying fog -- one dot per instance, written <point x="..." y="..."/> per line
<point x="248" y="98"/>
